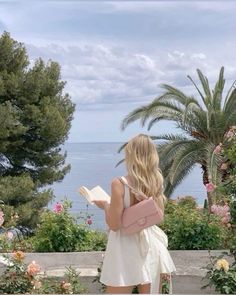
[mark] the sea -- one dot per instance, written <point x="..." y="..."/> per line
<point x="96" y="164"/>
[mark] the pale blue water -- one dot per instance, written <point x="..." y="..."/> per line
<point x="94" y="164"/>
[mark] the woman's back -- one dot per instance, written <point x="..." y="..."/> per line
<point x="129" y="258"/>
<point x="136" y="259"/>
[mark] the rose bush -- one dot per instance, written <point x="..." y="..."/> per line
<point x="20" y="278"/>
<point x="221" y="274"/>
<point x="59" y="231"/>
<point x="190" y="228"/>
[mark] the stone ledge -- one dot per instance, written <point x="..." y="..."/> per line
<point x="188" y="262"/>
<point x="83" y="272"/>
<point x="186" y="280"/>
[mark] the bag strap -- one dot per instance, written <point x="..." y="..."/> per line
<point x="136" y="193"/>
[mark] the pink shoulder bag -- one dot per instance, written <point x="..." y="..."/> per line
<point x="141" y="215"/>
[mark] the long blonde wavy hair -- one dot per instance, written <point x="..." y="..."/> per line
<point x="142" y="162"/>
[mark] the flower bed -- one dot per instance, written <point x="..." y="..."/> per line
<point x="187" y="279"/>
<point x="58" y="231"/>
<point x="20" y="278"/>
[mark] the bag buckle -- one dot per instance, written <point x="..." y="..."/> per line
<point x="141" y="221"/>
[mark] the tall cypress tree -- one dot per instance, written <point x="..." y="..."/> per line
<point x="35" y="118"/>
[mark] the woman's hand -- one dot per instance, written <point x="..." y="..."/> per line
<point x="101" y="204"/>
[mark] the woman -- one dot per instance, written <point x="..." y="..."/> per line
<point x="141" y="258"/>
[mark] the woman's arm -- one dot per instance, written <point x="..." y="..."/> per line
<point x="114" y="210"/>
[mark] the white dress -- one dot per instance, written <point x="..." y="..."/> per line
<point x="136" y="259"/>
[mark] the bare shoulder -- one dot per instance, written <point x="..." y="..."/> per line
<point x="116" y="185"/>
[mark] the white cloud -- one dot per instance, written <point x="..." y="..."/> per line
<point x="198" y="56"/>
<point x="100" y="75"/>
<point x="101" y="71"/>
<point x="115" y="55"/>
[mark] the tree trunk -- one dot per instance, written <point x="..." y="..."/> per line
<point x="210" y="201"/>
<point x="205" y="181"/>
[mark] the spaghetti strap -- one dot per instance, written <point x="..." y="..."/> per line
<point x="127" y="194"/>
<point x="124" y="179"/>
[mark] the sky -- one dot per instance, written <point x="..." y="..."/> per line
<point x="115" y="55"/>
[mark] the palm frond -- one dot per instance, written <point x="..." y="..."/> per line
<point x="213" y="162"/>
<point x="171" y="137"/>
<point x="170" y="187"/>
<point x="169" y="151"/>
<point x="120" y="162"/>
<point x="206" y="88"/>
<point x="190" y="106"/>
<point x="162" y="110"/>
<point x="168" y="115"/>
<point x="153" y="121"/>
<point x="135" y="115"/>
<point x="218" y="91"/>
<point x="190" y="155"/>
<point x="230" y="120"/>
<point x="177" y="95"/>
<point x="122" y="147"/>
<point x="230" y="103"/>
<point x="195" y="122"/>
<point x="198" y="90"/>
<point x="231" y="89"/>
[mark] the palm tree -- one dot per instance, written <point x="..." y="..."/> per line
<point x="204" y="124"/>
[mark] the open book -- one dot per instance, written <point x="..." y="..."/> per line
<point x="95" y="194"/>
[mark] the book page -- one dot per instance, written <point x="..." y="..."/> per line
<point x="96" y="193"/>
<point x="85" y="192"/>
<point x="99" y="194"/>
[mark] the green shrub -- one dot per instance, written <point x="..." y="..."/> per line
<point x="59" y="231"/>
<point x="94" y="241"/>
<point x="170" y="206"/>
<point x="187" y="201"/>
<point x="192" y="229"/>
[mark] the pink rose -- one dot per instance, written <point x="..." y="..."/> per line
<point x="65" y="285"/>
<point x="222" y="211"/>
<point x="226" y="218"/>
<point x="210" y="187"/>
<point x="89" y="221"/>
<point x="214" y="208"/>
<point x="218" y="149"/>
<point x="58" y="208"/>
<point x="33" y="268"/>
<point x="9" y="235"/>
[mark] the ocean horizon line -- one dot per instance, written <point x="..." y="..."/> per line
<point x="93" y="142"/>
